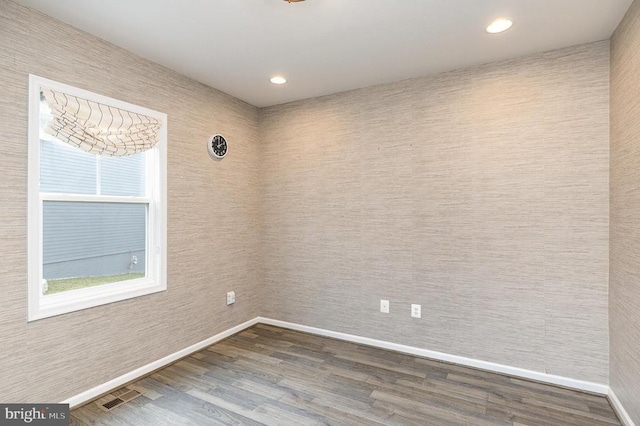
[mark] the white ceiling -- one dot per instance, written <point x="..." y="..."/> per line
<point x="328" y="46"/>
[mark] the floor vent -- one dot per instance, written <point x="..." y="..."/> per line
<point x="112" y="404"/>
<point x="117" y="398"/>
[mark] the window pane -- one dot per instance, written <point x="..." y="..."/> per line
<point x="88" y="244"/>
<point x="65" y="169"/>
<point x="123" y="175"/>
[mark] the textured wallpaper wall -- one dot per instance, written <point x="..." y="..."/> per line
<point x="624" y="298"/>
<point x="212" y="214"/>
<point x="481" y="194"/>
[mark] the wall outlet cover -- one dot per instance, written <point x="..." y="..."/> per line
<point x="231" y="298"/>
<point x="416" y="311"/>
<point x="384" y="306"/>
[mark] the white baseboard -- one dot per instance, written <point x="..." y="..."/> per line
<point x="109" y="386"/>
<point x="566" y="382"/>
<point x="619" y="409"/>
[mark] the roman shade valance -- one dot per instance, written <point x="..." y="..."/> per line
<point x="98" y="128"/>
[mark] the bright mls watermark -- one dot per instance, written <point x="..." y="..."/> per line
<point x="34" y="414"/>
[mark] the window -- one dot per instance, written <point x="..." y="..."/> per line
<point x="97" y="199"/>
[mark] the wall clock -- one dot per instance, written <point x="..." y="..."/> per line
<point x="217" y="146"/>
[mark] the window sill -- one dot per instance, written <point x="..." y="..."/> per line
<point x="70" y="301"/>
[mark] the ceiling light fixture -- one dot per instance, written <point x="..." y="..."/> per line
<point x="499" y="25"/>
<point x="293" y="1"/>
<point x="278" y="80"/>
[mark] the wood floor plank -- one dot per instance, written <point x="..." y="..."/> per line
<point x="414" y="413"/>
<point x="274" y="376"/>
<point x="316" y="389"/>
<point x="332" y="413"/>
<point x="344" y="372"/>
<point x="276" y="416"/>
<point x="271" y="392"/>
<point x="454" y="390"/>
<point x="603" y="411"/>
<point x="227" y="404"/>
<point x="427" y="405"/>
<point x="384" y="365"/>
<point x="542" y="413"/>
<point x="370" y="414"/>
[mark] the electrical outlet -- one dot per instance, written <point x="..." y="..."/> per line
<point x="384" y="306"/>
<point x="231" y="298"/>
<point x="416" y="311"/>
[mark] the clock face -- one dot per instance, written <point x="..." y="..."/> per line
<point x="218" y="146"/>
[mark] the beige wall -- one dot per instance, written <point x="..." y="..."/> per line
<point x="212" y="213"/>
<point x="624" y="301"/>
<point x="481" y="194"/>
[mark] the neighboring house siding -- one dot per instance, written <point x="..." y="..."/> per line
<point x="66" y="170"/>
<point x="91" y="239"/>
<point x="126" y="178"/>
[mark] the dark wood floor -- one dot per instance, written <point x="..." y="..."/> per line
<point x="270" y="375"/>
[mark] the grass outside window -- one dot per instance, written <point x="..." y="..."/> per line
<point x="67" y="284"/>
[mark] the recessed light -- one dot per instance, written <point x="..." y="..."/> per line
<point x="278" y="80"/>
<point x="499" y="25"/>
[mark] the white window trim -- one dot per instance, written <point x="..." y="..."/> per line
<point x="41" y="306"/>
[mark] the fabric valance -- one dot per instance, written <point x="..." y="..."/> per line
<point x="97" y="128"/>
